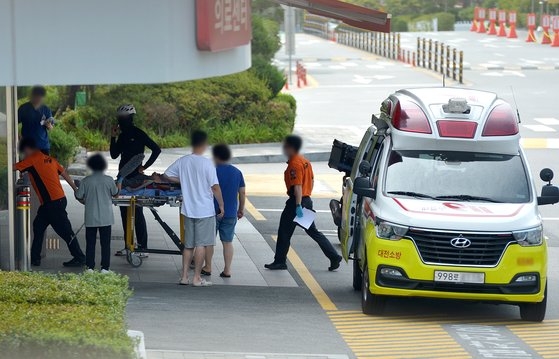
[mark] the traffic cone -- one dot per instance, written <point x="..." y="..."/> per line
<point x="531" y="35"/>
<point x="512" y="32"/>
<point x="546" y="37"/>
<point x="481" y="27"/>
<point x="502" y="30"/>
<point x="555" y="42"/>
<point x="492" y="29"/>
<point x="473" y="28"/>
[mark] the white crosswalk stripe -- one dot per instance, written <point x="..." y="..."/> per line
<point x="548" y="121"/>
<point x="539" y="128"/>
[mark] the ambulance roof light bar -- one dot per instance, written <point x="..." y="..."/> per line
<point x="501" y="122"/>
<point x="409" y="117"/>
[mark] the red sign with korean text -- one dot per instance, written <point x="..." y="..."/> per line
<point x="222" y="24"/>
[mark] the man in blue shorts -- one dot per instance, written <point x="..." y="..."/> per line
<point x="232" y="186"/>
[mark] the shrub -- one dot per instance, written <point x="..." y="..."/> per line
<point x="268" y="73"/>
<point x="63" y="145"/>
<point x="65" y="315"/>
<point x="287" y="98"/>
<point x="400" y="23"/>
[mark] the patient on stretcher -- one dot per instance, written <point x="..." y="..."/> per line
<point x="153" y="185"/>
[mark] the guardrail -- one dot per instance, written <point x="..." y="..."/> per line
<point x="430" y="55"/>
<point x="441" y="58"/>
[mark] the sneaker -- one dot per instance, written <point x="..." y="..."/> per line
<point x="105" y="271"/>
<point x="143" y="255"/>
<point x="89" y="270"/>
<point x="74" y="262"/>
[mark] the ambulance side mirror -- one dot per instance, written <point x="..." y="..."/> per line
<point x="362" y="187"/>
<point x="550" y="193"/>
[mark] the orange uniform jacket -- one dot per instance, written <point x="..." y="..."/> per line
<point x="44" y="172"/>
<point x="299" y="172"/>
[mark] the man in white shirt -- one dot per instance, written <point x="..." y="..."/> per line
<point x="198" y="178"/>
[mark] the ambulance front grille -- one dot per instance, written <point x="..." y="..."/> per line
<point x="486" y="249"/>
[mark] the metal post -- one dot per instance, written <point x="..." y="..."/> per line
<point x="436" y="64"/>
<point x="430" y="54"/>
<point x="22" y="223"/>
<point x="441" y="66"/>
<point x="424" y="54"/>
<point x="461" y="68"/>
<point x="454" y="64"/>
<point x="398" y="43"/>
<point x="418" y="50"/>
<point x="289" y="20"/>
<point x="447" y="61"/>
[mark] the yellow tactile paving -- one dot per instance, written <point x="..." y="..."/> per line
<point x="395" y="337"/>
<point x="542" y="337"/>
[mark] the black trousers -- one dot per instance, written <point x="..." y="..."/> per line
<point x="91" y="240"/>
<point x="287" y="227"/>
<point x="54" y="214"/>
<point x="140" y="226"/>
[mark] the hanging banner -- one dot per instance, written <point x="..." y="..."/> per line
<point x="222" y="24"/>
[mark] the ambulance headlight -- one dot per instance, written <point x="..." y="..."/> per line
<point x="529" y="237"/>
<point x="387" y="230"/>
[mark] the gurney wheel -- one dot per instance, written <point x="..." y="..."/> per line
<point x="134" y="260"/>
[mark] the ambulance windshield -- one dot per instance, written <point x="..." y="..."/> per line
<point x="457" y="176"/>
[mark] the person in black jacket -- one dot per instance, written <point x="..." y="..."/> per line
<point x="128" y="141"/>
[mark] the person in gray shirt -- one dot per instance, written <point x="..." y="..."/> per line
<point x="96" y="192"/>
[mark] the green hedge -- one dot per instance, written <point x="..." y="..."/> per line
<point x="63" y="145"/>
<point x="63" y="316"/>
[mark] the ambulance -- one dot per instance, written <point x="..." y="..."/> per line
<point x="439" y="201"/>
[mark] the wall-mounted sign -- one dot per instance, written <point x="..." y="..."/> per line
<point x="222" y="24"/>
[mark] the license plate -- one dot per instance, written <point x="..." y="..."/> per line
<point x="459" y="277"/>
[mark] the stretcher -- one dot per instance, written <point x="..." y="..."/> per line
<point x="151" y="197"/>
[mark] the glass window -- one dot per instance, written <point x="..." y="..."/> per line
<point x="457" y="176"/>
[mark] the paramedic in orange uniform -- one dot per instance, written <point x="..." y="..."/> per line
<point x="299" y="180"/>
<point x="44" y="172"/>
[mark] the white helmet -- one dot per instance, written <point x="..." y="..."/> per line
<point x="126" y="110"/>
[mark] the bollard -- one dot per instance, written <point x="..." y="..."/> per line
<point x="454" y="64"/>
<point x="461" y="68"/>
<point x="23" y="228"/>
<point x="492" y="19"/>
<point x="546" y="23"/>
<point x="418" y="48"/>
<point x="430" y="54"/>
<point x="436" y="53"/>
<point x="424" y="53"/>
<point x="447" y="61"/>
<point x="512" y="25"/>
<point x="473" y="28"/>
<point x="502" y="23"/>
<point x="398" y="42"/>
<point x="531" y="22"/>
<point x="369" y="47"/>
<point x="481" y="18"/>
<point x="441" y="66"/>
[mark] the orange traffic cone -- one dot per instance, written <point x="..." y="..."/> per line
<point x="492" y="29"/>
<point x="512" y="32"/>
<point x="546" y="37"/>
<point x="473" y="28"/>
<point x="531" y="35"/>
<point x="555" y="42"/>
<point x="502" y="30"/>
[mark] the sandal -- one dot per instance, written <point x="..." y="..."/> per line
<point x="184" y="283"/>
<point x="204" y="273"/>
<point x="223" y="275"/>
<point x="203" y="283"/>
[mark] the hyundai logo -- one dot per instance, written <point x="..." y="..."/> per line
<point x="460" y="242"/>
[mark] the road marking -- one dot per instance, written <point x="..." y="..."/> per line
<point x="395" y="337"/>
<point x="281" y="210"/>
<point x="253" y="211"/>
<point x="542" y="337"/>
<point x="550" y="121"/>
<point x="318" y="293"/>
<point x="539" y="128"/>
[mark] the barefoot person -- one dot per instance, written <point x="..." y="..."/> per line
<point x="232" y="186"/>
<point x="45" y="173"/>
<point x="299" y="180"/>
<point x="198" y="178"/>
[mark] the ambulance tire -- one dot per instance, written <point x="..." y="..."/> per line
<point x="534" y="312"/>
<point x="371" y="304"/>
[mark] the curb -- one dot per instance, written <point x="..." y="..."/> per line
<point x="279" y="158"/>
<point x="140" y="343"/>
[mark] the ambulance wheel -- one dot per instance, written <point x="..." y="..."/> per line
<point x="134" y="260"/>
<point x="534" y="312"/>
<point x="371" y="304"/>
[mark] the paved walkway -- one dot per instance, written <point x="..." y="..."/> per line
<point x="170" y="354"/>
